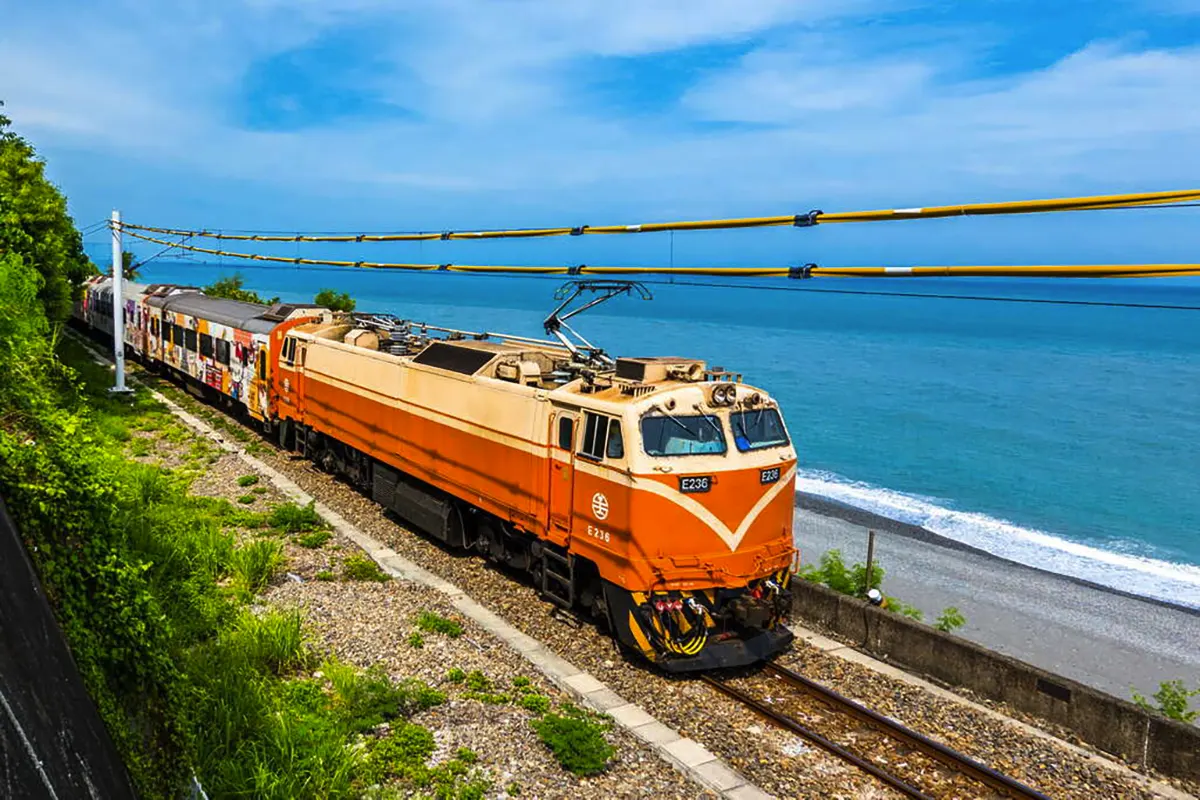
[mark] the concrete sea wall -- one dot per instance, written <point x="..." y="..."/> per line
<point x="1109" y="723"/>
<point x="53" y="744"/>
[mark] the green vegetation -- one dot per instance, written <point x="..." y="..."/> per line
<point x="833" y="572"/>
<point x="577" y="740"/>
<point x="314" y="539"/>
<point x="325" y="575"/>
<point x="247" y="499"/>
<point x="129" y="266"/>
<point x="537" y="703"/>
<point x="949" y="619"/>
<point x="416" y="640"/>
<point x="247" y="480"/>
<point x="291" y="518"/>
<point x="232" y="288"/>
<point x="255" y="564"/>
<point x="1171" y="700"/>
<point x="334" y="301"/>
<point x="435" y="623"/>
<point x="456" y="675"/>
<point x="402" y="754"/>
<point x="361" y="568"/>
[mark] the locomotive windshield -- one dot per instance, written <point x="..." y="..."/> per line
<point x="670" y="435"/>
<point x="754" y="430"/>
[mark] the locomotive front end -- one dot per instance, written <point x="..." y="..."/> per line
<point x="711" y="507"/>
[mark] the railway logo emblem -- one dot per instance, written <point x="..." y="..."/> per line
<point x="600" y="505"/>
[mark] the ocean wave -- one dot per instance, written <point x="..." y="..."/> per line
<point x="1149" y="577"/>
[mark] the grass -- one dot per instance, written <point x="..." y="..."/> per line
<point x="364" y="700"/>
<point x="361" y="568"/>
<point x="325" y="575"/>
<point x="247" y="480"/>
<point x="139" y="447"/>
<point x="430" y="622"/>
<point x="291" y="518"/>
<point x="576" y="739"/>
<point x="416" y="640"/>
<point x="247" y="499"/>
<point x="456" y="675"/>
<point x="537" y="703"/>
<point x="314" y="539"/>
<point x="255" y="563"/>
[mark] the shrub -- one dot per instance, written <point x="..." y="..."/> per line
<point x="400" y="754"/>
<point x="1172" y="701"/>
<point x="415" y="640"/>
<point x="478" y="682"/>
<point x="325" y="575"/>
<point x="904" y="609"/>
<point x="949" y="619"/>
<point x="435" y="623"/>
<point x="247" y="480"/>
<point x="256" y="489"/>
<point x="272" y="642"/>
<point x="361" y="568"/>
<point x="291" y="518"/>
<point x="246" y="499"/>
<point x="363" y="700"/>
<point x="335" y="301"/>
<point x="314" y="539"/>
<point x="537" y="703"/>
<point x="255" y="563"/>
<point x="576" y="741"/>
<point x="456" y="675"/>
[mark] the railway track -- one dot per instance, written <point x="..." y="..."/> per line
<point x="902" y="738"/>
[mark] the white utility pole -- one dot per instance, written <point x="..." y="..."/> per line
<point x="118" y="280"/>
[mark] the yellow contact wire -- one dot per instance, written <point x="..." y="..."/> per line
<point x="1096" y="202"/>
<point x="1047" y="270"/>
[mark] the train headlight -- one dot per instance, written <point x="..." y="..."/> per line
<point x="724" y="394"/>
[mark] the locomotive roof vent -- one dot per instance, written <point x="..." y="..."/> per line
<point x="659" y="368"/>
<point x="278" y="312"/>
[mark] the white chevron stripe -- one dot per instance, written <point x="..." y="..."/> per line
<point x="692" y="506"/>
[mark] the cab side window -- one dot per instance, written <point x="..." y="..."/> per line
<point x="566" y="432"/>
<point x="616" y="444"/>
<point x="601" y="437"/>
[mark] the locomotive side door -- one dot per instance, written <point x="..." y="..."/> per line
<point x="563" y="425"/>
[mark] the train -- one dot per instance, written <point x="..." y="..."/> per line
<point x="654" y="494"/>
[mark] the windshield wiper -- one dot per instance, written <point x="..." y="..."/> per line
<point x="672" y="417"/>
<point x="709" y="420"/>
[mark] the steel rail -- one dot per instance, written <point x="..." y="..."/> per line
<point x="937" y="751"/>
<point x="784" y="721"/>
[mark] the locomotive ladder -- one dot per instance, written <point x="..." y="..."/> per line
<point x="558" y="576"/>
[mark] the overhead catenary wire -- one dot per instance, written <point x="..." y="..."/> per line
<point x="815" y="217"/>
<point x="807" y="271"/>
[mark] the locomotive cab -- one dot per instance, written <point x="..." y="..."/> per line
<point x="690" y="515"/>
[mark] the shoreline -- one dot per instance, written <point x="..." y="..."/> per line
<point x="828" y="507"/>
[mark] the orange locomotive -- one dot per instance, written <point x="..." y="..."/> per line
<point x="655" y="493"/>
<point x="652" y="492"/>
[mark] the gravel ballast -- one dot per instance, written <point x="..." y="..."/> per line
<point x="366" y="621"/>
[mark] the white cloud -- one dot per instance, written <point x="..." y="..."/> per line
<point x="500" y="121"/>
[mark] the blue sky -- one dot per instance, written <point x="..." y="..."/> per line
<point x="377" y="115"/>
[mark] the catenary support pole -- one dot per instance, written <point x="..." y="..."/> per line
<point x="870" y="558"/>
<point x="118" y="281"/>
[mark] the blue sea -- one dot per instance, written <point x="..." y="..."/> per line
<point x="1064" y="436"/>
